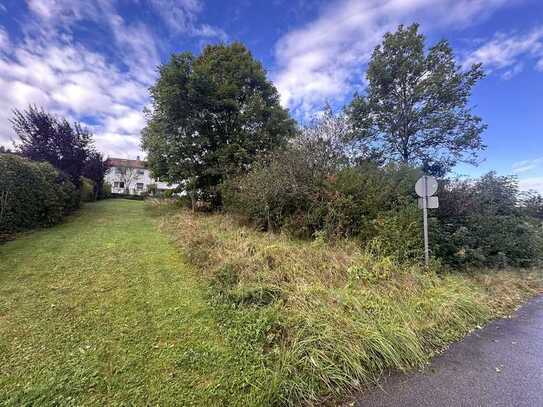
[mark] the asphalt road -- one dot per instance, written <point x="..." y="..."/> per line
<point x="500" y="365"/>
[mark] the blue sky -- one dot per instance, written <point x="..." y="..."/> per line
<point x="94" y="60"/>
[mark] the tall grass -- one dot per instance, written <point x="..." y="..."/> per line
<point x="339" y="315"/>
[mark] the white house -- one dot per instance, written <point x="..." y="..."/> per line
<point x="132" y="177"/>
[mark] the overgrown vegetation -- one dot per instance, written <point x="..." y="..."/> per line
<point x="338" y="315"/>
<point x="32" y="194"/>
<point x="311" y="189"/>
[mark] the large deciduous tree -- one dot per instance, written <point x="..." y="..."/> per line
<point x="45" y="137"/>
<point x="415" y="108"/>
<point x="212" y="115"/>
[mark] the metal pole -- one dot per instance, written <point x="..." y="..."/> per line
<point x="425" y="221"/>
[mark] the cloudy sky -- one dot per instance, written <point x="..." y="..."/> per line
<point x="94" y="60"/>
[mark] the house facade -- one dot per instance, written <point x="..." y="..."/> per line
<point x="132" y="177"/>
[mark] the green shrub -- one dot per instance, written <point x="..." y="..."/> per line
<point x="398" y="233"/>
<point x="278" y="191"/>
<point x="532" y="204"/>
<point x="87" y="190"/>
<point x="32" y="194"/>
<point x="480" y="223"/>
<point x="290" y="190"/>
<point x="106" y="191"/>
<point x="483" y="222"/>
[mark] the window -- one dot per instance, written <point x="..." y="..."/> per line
<point x="141" y="172"/>
<point x="118" y="170"/>
<point x="115" y="184"/>
<point x="121" y="184"/>
<point x="139" y="186"/>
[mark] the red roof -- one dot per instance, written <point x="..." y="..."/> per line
<point x="121" y="162"/>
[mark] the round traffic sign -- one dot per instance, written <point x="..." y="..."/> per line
<point x="426" y="186"/>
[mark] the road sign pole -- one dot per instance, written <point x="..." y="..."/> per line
<point x="425" y="188"/>
<point x="425" y="222"/>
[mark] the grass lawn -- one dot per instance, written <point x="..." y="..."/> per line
<point x="103" y="310"/>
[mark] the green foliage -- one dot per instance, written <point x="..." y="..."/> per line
<point x="278" y="190"/>
<point x="480" y="223"/>
<point x="290" y="190"/>
<point x="212" y="114"/>
<point x="45" y="137"/>
<point x="398" y="233"/>
<point x="416" y="106"/>
<point x="32" y="194"/>
<point x="87" y="190"/>
<point x="95" y="169"/>
<point x="532" y="204"/>
<point x="106" y="190"/>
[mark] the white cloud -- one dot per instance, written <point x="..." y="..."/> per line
<point x="525" y="169"/>
<point x="47" y="67"/>
<point x="208" y="31"/>
<point x="504" y="53"/>
<point x="74" y="82"/>
<point x="134" y="42"/>
<point x="179" y="15"/>
<point x="67" y="11"/>
<point x="43" y="8"/>
<point x="130" y="122"/>
<point x="527" y="165"/>
<point x="321" y="60"/>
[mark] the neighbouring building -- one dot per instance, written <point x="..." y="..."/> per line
<point x="132" y="177"/>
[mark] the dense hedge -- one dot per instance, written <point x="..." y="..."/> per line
<point x="32" y="194"/>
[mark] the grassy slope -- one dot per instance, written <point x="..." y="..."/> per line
<point x="102" y="310"/>
<point x="342" y="315"/>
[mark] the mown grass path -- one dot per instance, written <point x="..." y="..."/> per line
<point x="103" y="310"/>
